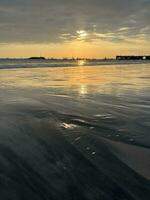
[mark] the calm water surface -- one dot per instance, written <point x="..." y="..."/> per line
<point x="75" y="133"/>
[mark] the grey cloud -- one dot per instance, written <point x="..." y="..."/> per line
<point x="39" y="21"/>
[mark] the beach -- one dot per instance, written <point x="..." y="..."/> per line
<point x="74" y="132"/>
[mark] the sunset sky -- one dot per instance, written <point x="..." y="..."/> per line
<point x="74" y="28"/>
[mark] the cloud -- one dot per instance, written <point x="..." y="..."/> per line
<point x="49" y="21"/>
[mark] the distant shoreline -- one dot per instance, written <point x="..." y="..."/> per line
<point x="77" y="59"/>
<point x="117" y="58"/>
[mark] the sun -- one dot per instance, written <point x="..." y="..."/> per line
<point x="82" y="34"/>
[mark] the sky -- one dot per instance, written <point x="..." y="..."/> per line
<point x="74" y="28"/>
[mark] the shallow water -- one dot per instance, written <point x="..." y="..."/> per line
<point x="75" y="133"/>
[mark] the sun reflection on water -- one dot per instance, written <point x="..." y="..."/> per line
<point x="82" y="80"/>
<point x="81" y="62"/>
<point x="83" y="90"/>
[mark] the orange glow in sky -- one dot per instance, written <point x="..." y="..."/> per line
<point x="75" y="48"/>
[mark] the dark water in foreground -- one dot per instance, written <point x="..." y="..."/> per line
<point x="75" y="133"/>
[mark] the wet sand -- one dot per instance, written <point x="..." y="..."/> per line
<point x="75" y="133"/>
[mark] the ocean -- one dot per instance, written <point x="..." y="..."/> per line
<point x="74" y="130"/>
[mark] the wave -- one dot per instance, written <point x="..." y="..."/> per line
<point x="26" y="63"/>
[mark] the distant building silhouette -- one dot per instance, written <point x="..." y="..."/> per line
<point x="37" y="58"/>
<point x="132" y="57"/>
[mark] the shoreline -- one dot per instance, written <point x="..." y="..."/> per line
<point x="17" y="63"/>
